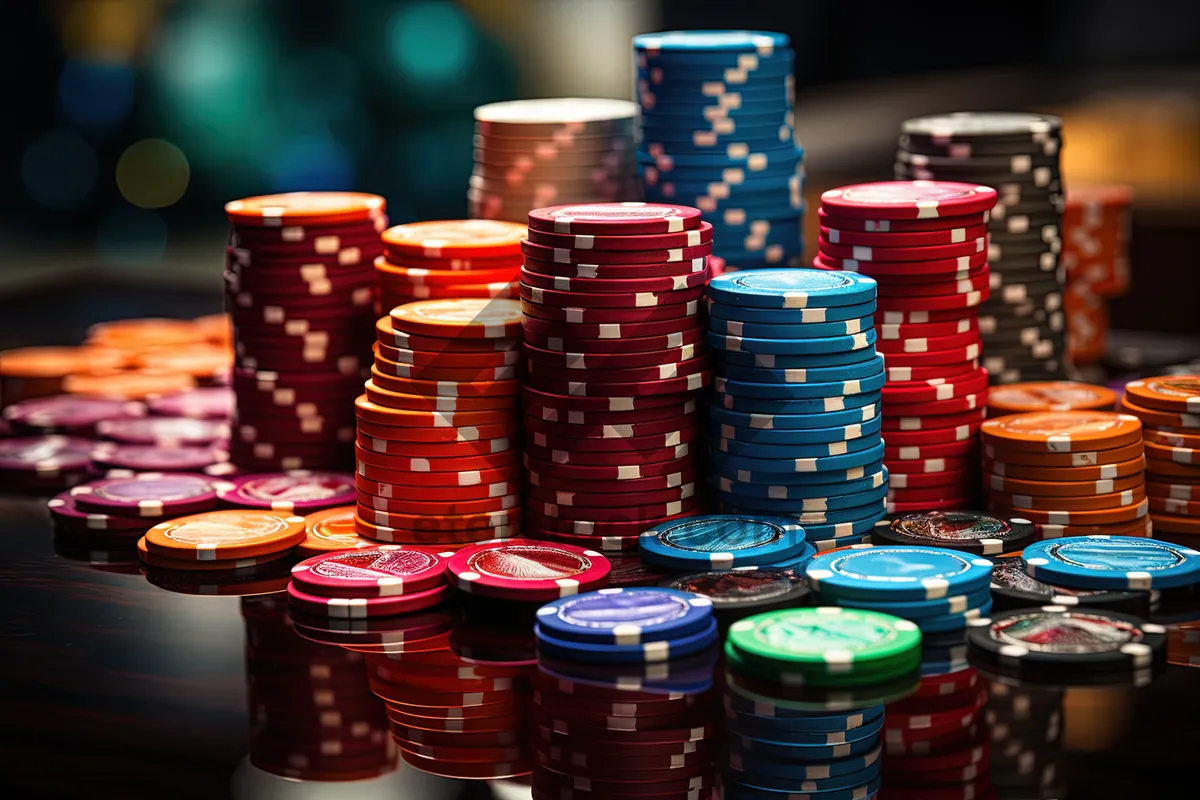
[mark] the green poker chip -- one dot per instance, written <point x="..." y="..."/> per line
<point x="822" y="677"/>
<point x="826" y="640"/>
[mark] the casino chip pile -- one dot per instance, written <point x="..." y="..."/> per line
<point x="795" y="425"/>
<point x="535" y="153"/>
<point x="1096" y="239"/>
<point x="782" y="736"/>
<point x="300" y="288"/>
<point x="437" y="457"/>
<point x="718" y="133"/>
<point x="313" y="716"/>
<point x="449" y="259"/>
<point x="614" y="366"/>
<point x="1017" y="154"/>
<point x="727" y="541"/>
<point x="925" y="244"/>
<point x="1068" y="472"/>
<point x="601" y="728"/>
<point x="968" y="531"/>
<point x="1021" y="398"/>
<point x="1169" y="408"/>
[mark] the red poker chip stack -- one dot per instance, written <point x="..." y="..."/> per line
<point x="313" y="714"/>
<point x="449" y="259"/>
<point x="437" y="458"/>
<point x="1097" y="228"/>
<point x="925" y="243"/>
<point x="300" y="289"/>
<point x="615" y="361"/>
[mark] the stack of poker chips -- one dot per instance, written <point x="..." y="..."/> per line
<point x="727" y="541"/>
<point x="1169" y="408"/>
<point x="967" y="531"/>
<point x="437" y="453"/>
<point x="795" y="419"/>
<point x="449" y="259"/>
<point x="1095" y="253"/>
<point x="229" y="544"/>
<point x="1021" y="398"/>
<point x="718" y="133"/>
<point x="535" y="153"/>
<point x="1013" y="587"/>
<point x="162" y="444"/>
<point x="648" y="727"/>
<point x="1017" y="154"/>
<point x="925" y="244"/>
<point x="1025" y="726"/>
<point x="1069" y="472"/>
<point x="802" y="718"/>
<point x="739" y="592"/>
<point x="614" y="366"/>
<point x="312" y="714"/>
<point x="300" y="289"/>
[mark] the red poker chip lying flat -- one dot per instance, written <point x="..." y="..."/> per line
<point x="648" y="346"/>
<point x="551" y="434"/>
<point x="908" y="200"/>
<point x="570" y="322"/>
<point x="935" y="389"/>
<point x="933" y="436"/>
<point x="473" y="447"/>
<point x="882" y="252"/>
<point x="951" y="477"/>
<point x="615" y="300"/>
<point x="882" y="270"/>
<point x="536" y="371"/>
<point x="934" y="422"/>
<point x="900" y="454"/>
<point x="468" y="375"/>
<point x="923" y="316"/>
<point x="630" y="389"/>
<point x="974" y="281"/>
<point x="450" y="406"/>
<point x="663" y="480"/>
<point x="565" y="415"/>
<point x="649" y="255"/>
<point x="370" y="572"/>
<point x="601" y="499"/>
<point x="528" y="570"/>
<point x="605" y="285"/>
<point x="445" y="359"/>
<point x="357" y="607"/>
<point x="931" y="493"/>
<point x="502" y="518"/>
<point x="445" y="479"/>
<point x="831" y="217"/>
<point x="934" y="408"/>
<point x="490" y="461"/>
<point x="471" y="490"/>
<point x="376" y="509"/>
<point x="954" y="355"/>
<point x="942" y="236"/>
<point x="617" y="527"/>
<point x="692" y="237"/>
<point x="583" y="458"/>
<point x="684" y="431"/>
<point x="577" y="515"/>
<point x="620" y="219"/>
<point x="584" y="361"/>
<point x="571" y="403"/>
<point x="901" y="506"/>
<point x="932" y="344"/>
<point x="618" y="272"/>
<point x="941" y="302"/>
<point x="909" y="374"/>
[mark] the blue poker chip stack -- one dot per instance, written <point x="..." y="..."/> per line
<point x="795" y="428"/>
<point x="718" y="133"/>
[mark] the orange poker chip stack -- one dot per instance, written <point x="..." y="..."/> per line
<point x="1096" y="237"/>
<point x="1070" y="473"/>
<point x="1169" y="408"/>
<point x="31" y="372"/>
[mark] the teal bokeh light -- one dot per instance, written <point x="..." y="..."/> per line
<point x="132" y="237"/>
<point x="319" y="85"/>
<point x="311" y="162"/>
<point x="59" y="169"/>
<point x="431" y="42"/>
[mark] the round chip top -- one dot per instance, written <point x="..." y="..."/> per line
<point x="557" y="109"/>
<point x="480" y="318"/>
<point x="333" y="529"/>
<point x="203" y="402"/>
<point x="1055" y="635"/>
<point x="626" y="616"/>
<point x="792" y="288"/>
<point x="149" y="494"/>
<point x="1011" y="579"/>
<point x="897" y="573"/>
<point x="761" y="42"/>
<point x="745" y="587"/>
<point x="525" y="569"/>
<point x="71" y="411"/>
<point x="301" y="490"/>
<point x="614" y="218"/>
<point x="458" y="237"/>
<point x="909" y="199"/>
<point x="331" y="206"/>
<point x="45" y="453"/>
<point x="1050" y="396"/>
<point x="227" y="534"/>
<point x="975" y="531"/>
<point x="723" y="541"/>
<point x="1063" y="431"/>
<point x="163" y="430"/>
<point x="824" y="635"/>
<point x="1169" y="392"/>
<point x="1113" y="562"/>
<point x="383" y="571"/>
<point x="964" y="124"/>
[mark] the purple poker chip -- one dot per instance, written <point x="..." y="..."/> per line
<point x="385" y="571"/>
<point x="150" y="494"/>
<point x="163" y="430"/>
<point x="69" y="413"/>
<point x="68" y="516"/>
<point x="360" y="607"/>
<point x="45" y="456"/>
<point x="156" y="458"/>
<point x="291" y="491"/>
<point x="205" y="402"/>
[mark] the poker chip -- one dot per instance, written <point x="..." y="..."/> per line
<point x="230" y="534"/>
<point x="522" y="569"/>
<point x="148" y="494"/>
<point x="724" y="542"/>
<point x="1019" y="398"/>
<point x="68" y="414"/>
<point x="1112" y="562"/>
<point x="1013" y="587"/>
<point x="968" y="531"/>
<point x="203" y="402"/>
<point x="626" y="616"/>
<point x="900" y="573"/>
<point x="1062" y="431"/>
<point x="110" y="457"/>
<point x="298" y="490"/>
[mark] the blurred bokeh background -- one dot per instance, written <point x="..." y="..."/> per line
<point x="131" y="122"/>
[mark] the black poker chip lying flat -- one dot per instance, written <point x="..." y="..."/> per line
<point x="1012" y="587"/>
<point x="967" y="531"/>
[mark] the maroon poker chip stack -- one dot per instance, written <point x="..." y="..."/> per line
<point x="300" y="289"/>
<point x="614" y="357"/>
<point x="925" y="243"/>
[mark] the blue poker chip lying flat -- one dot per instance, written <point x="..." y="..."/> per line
<point x="796" y="413"/>
<point x="865" y="364"/>
<point x="788" y="719"/>
<point x="629" y="616"/>
<point x="770" y="330"/>
<point x="918" y="609"/>
<point x="801" y="770"/>
<point x="794" y="785"/>
<point x="898" y="573"/>
<point x="837" y="517"/>
<point x="798" y="494"/>
<point x="782" y="466"/>
<point x="791" y="316"/>
<point x="723" y="541"/>
<point x="1112" y="562"/>
<point x="727" y="479"/>
<point x="798" y="391"/>
<point x="802" y="415"/>
<point x="735" y="447"/>
<point x="954" y="622"/>
<point x="726" y="42"/>
<point x="646" y="653"/>
<point x="832" y="500"/>
<point x="787" y="288"/>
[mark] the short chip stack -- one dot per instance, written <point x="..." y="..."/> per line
<point x="1169" y="408"/>
<point x="535" y="153"/>
<point x="925" y="244"/>
<point x="231" y="544"/>
<point x="449" y="259"/>
<point x="1096" y="238"/>
<point x="1021" y="398"/>
<point x="718" y="133"/>
<point x="437" y="457"/>
<point x="1070" y="473"/>
<point x="300" y="288"/>
<point x="795" y="425"/>
<point x="1017" y="154"/>
<point x="615" y="361"/>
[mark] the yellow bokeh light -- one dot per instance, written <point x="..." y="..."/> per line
<point x="153" y="173"/>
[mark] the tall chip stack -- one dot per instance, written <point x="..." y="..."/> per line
<point x="718" y="133"/>
<point x="1017" y="154"/>
<point x="437" y="460"/>
<point x="535" y="153"/>
<point x="300" y="289"/>
<point x="925" y="245"/>
<point x="1169" y="408"/>
<point x="1096" y="237"/>
<point x="794" y="423"/>
<point x="615" y="362"/>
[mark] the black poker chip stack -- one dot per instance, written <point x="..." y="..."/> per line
<point x="1022" y="324"/>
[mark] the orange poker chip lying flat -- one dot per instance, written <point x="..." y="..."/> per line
<point x="305" y="207"/>
<point x="331" y="530"/>
<point x="128" y="385"/>
<point x="457" y="237"/>
<point x="474" y="318"/>
<point x="1178" y="393"/>
<point x="221" y="535"/>
<point x="1020" y="398"/>
<point x="58" y="362"/>
<point x="1062" y="431"/>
